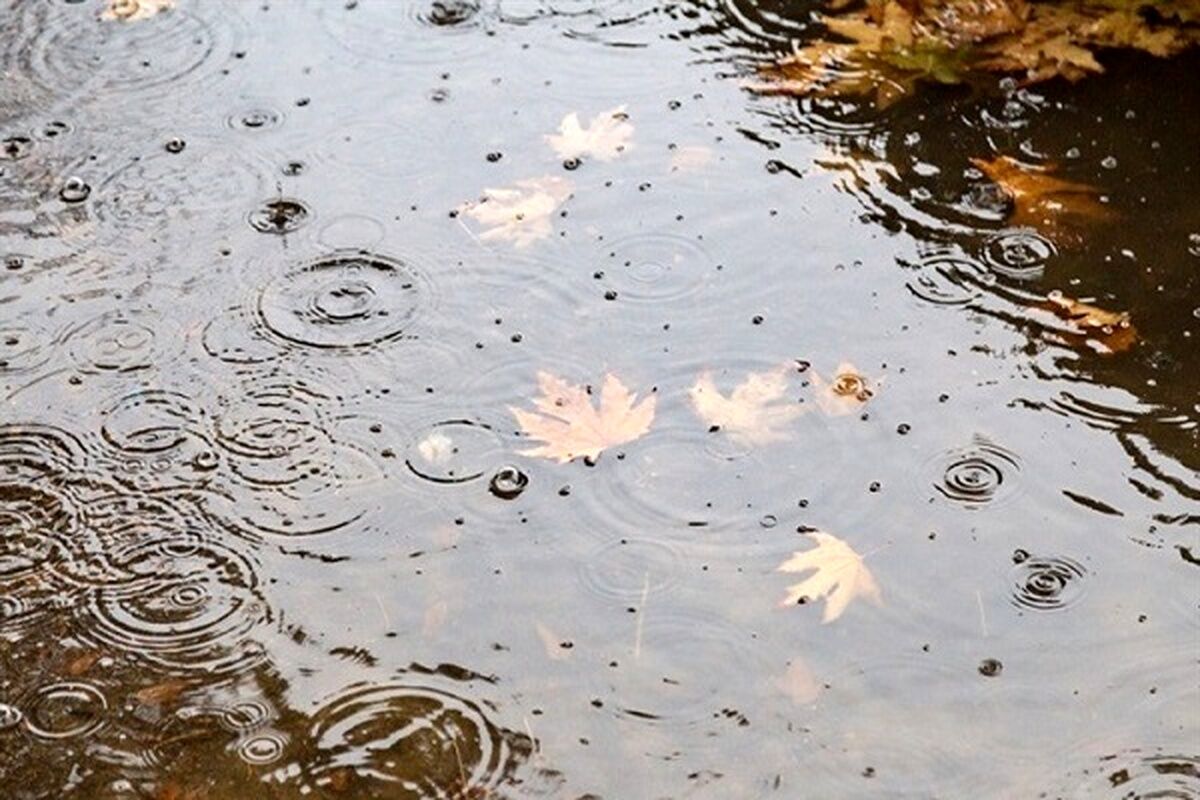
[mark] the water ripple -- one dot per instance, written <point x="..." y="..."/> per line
<point x="410" y="741"/>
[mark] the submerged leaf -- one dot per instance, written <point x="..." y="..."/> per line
<point x="1052" y="205"/>
<point x="133" y="10"/>
<point x="1105" y="331"/>
<point x="608" y="136"/>
<point x="754" y="413"/>
<point x="436" y="448"/>
<point x="571" y="427"/>
<point x="838" y="576"/>
<point x="799" y="683"/>
<point x="520" y="214"/>
<point x="691" y="158"/>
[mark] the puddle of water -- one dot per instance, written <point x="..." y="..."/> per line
<point x="273" y="279"/>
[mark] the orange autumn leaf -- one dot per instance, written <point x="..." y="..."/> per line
<point x="1039" y="200"/>
<point x="571" y="427"/>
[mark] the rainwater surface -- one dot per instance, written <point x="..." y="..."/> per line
<point x="270" y="528"/>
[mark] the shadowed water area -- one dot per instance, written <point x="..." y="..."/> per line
<point x="269" y="526"/>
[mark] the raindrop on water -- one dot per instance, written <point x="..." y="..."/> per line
<point x="10" y="716"/>
<point x="508" y="483"/>
<point x="74" y="190"/>
<point x="990" y="667"/>
<point x="279" y="216"/>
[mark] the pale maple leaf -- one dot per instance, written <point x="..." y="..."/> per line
<point x="846" y="393"/>
<point x="134" y="10"/>
<point x="838" y="576"/>
<point x="607" y="137"/>
<point x="691" y="158"/>
<point x="571" y="427"/>
<point x="520" y="214"/>
<point x="436" y="448"/>
<point x="754" y="413"/>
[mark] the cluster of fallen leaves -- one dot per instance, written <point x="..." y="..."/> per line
<point x="569" y="425"/>
<point x="890" y="46"/>
<point x="755" y="412"/>
<point x="522" y="214"/>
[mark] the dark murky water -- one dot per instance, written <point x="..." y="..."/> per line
<point x="265" y="529"/>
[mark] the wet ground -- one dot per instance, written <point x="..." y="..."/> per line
<point x="265" y="525"/>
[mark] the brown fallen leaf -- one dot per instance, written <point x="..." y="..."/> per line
<point x="173" y="791"/>
<point x="607" y="137"/>
<point x="1105" y="331"/>
<point x="520" y="214"/>
<point x="571" y="427"/>
<point x="756" y="412"/>
<point x="1054" y="206"/>
<point x="133" y="10"/>
<point x="82" y="663"/>
<point x="838" y="576"/>
<point x="846" y="393"/>
<point x="160" y="694"/>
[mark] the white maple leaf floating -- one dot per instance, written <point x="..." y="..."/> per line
<point x="520" y="214"/>
<point x="571" y="427"/>
<point x="134" y="10"/>
<point x="838" y="576"/>
<point x="755" y="412"/>
<point x="608" y="136"/>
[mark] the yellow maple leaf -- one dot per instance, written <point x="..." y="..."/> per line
<point x="133" y="10"/>
<point x="838" y="576"/>
<point x="1039" y="200"/>
<point x="520" y="214"/>
<point x="571" y="427"/>
<point x="608" y="136"/>
<point x="846" y="393"/>
<point x="752" y="413"/>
